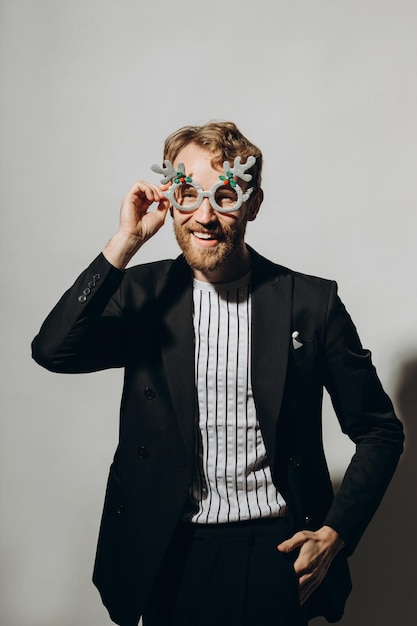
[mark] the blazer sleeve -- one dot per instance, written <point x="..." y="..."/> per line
<point x="84" y="331"/>
<point x="367" y="416"/>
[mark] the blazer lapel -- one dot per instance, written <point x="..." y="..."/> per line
<point x="271" y="334"/>
<point x="177" y="340"/>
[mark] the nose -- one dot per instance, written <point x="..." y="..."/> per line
<point x="205" y="214"/>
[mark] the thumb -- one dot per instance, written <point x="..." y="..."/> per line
<point x="163" y="205"/>
<point x="296" y="541"/>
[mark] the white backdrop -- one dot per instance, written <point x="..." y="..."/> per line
<point x="90" y="89"/>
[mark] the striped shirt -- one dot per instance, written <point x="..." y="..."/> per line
<point x="232" y="479"/>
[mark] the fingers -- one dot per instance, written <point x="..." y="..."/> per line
<point x="138" y="201"/>
<point x="304" y="568"/>
<point x="145" y="194"/>
<point x="308" y="581"/>
<point x="317" y="550"/>
<point x="306" y="588"/>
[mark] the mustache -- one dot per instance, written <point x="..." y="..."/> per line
<point x="213" y="230"/>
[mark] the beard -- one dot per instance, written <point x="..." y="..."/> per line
<point x="209" y="259"/>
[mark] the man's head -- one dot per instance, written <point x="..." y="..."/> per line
<point x="213" y="242"/>
<point x="223" y="140"/>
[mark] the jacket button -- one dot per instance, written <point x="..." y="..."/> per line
<point x="295" y="462"/>
<point x="96" y="277"/>
<point x="87" y="291"/>
<point x="149" y="393"/>
<point x="143" y="452"/>
<point x="91" y="284"/>
<point x="82" y="299"/>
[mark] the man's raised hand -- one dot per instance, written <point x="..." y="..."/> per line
<point x="137" y="223"/>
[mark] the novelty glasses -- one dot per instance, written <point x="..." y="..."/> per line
<point x="225" y="196"/>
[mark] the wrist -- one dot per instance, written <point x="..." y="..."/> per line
<point x="121" y="248"/>
<point x="328" y="534"/>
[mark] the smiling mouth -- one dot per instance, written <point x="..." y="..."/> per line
<point x="206" y="236"/>
<point x="205" y="240"/>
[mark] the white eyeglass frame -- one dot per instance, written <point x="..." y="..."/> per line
<point x="176" y="174"/>
<point x="242" y="196"/>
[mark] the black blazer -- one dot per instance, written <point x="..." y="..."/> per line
<point x="141" y="320"/>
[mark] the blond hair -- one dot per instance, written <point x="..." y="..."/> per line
<point x="222" y="139"/>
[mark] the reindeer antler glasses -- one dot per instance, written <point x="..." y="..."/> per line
<point x="224" y="196"/>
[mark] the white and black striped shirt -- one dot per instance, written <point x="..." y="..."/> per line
<point x="232" y="478"/>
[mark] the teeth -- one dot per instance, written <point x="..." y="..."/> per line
<point x="203" y="235"/>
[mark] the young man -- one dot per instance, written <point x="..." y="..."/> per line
<point x="219" y="507"/>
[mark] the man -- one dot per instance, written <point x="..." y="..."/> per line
<point x="219" y="507"/>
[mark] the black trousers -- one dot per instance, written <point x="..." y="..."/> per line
<point x="227" y="575"/>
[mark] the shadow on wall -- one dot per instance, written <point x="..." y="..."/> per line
<point x="383" y="567"/>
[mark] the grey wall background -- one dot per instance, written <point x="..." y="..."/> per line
<point x="89" y="91"/>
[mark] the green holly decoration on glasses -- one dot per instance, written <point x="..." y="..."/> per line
<point x="182" y="178"/>
<point x="228" y="179"/>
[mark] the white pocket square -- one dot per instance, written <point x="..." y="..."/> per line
<point x="296" y="342"/>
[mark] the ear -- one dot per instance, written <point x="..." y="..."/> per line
<point x="254" y="204"/>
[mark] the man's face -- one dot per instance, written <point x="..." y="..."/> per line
<point x="212" y="242"/>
